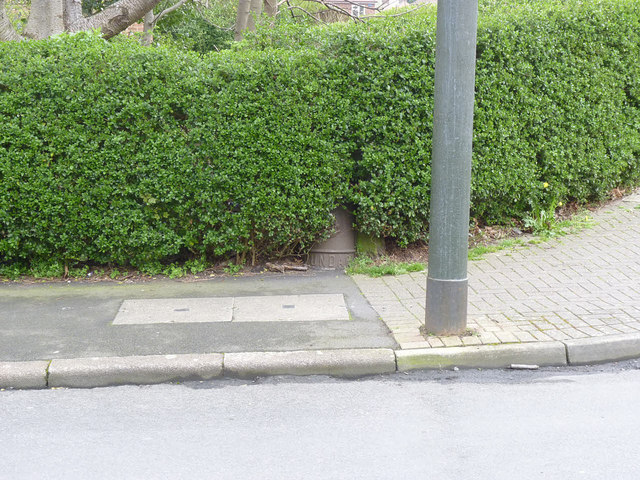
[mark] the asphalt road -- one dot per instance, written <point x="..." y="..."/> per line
<point x="571" y="423"/>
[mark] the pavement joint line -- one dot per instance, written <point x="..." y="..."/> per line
<point x="46" y="373"/>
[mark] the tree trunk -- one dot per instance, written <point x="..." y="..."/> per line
<point x="254" y="16"/>
<point x="50" y="17"/>
<point x="7" y="32"/>
<point x="271" y="8"/>
<point x="249" y="12"/>
<point x="244" y="10"/>
<point x="149" y="24"/>
<point x="45" y="19"/>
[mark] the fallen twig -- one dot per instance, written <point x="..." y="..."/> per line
<point x="282" y="267"/>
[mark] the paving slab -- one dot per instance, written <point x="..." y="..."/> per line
<point x="174" y="310"/>
<point x="290" y="308"/>
<point x="261" y="308"/>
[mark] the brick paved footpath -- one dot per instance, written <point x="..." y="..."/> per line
<point x="581" y="285"/>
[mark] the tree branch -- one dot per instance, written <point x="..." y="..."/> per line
<point x="115" y="18"/>
<point x="418" y="7"/>
<point x="7" y="32"/>
<point x="335" y="8"/>
<point x="204" y="17"/>
<point x="150" y="21"/>
<point x="295" y="7"/>
<point x="293" y="15"/>
<point x="342" y="11"/>
<point x="169" y="10"/>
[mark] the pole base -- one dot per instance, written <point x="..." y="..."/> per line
<point x="446" y="308"/>
<point x="337" y="251"/>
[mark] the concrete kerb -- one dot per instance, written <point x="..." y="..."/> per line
<point x="483" y="356"/>
<point x="23" y="375"/>
<point x="341" y="363"/>
<point x="583" y="351"/>
<point x="152" y="369"/>
<point x="106" y="371"/>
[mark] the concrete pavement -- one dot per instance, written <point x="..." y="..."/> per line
<point x="571" y="300"/>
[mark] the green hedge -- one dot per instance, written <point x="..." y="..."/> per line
<point x="557" y="103"/>
<point x="113" y="153"/>
<point x="116" y="153"/>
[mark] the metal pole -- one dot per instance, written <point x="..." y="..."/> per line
<point x="446" y="307"/>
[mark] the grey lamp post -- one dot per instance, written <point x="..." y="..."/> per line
<point x="446" y="307"/>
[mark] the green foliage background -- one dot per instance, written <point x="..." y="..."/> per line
<point x="114" y="153"/>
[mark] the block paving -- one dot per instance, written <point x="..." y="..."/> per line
<point x="585" y="284"/>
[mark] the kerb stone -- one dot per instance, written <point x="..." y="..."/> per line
<point x="23" y="374"/>
<point x="611" y="348"/>
<point x="150" y="369"/>
<point x="483" y="356"/>
<point x="342" y="363"/>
